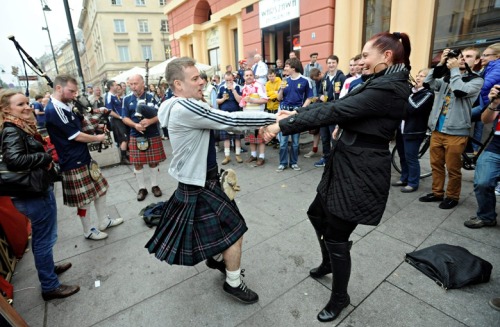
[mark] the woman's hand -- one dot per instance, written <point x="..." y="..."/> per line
<point x="269" y="132"/>
<point x="284" y="114"/>
<point x="494" y="96"/>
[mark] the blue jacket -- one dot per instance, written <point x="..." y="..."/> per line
<point x="491" y="77"/>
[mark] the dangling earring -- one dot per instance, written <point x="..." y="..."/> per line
<point x="380" y="63"/>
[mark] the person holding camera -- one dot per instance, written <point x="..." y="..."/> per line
<point x="145" y="145"/>
<point x="21" y="151"/>
<point x="487" y="169"/>
<point x="456" y="88"/>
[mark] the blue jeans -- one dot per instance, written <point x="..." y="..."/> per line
<point x="294" y="154"/>
<point x="485" y="179"/>
<point x="407" y="148"/>
<point x="477" y="134"/>
<point x="326" y="139"/>
<point x="42" y="212"/>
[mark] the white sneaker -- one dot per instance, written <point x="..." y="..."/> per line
<point x="280" y="168"/>
<point x="108" y="222"/>
<point x="310" y="154"/>
<point x="95" y="234"/>
<point x="295" y="167"/>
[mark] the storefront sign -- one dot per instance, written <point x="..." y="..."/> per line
<point x="272" y="12"/>
<point x="212" y="37"/>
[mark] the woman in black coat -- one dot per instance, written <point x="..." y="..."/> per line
<point x="22" y="152"/>
<point x="355" y="184"/>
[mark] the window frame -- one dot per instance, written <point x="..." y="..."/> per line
<point x="143" y="23"/>
<point x="120" y="53"/>
<point x="116" y="30"/>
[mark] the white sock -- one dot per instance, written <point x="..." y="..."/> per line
<point x="262" y="156"/>
<point x="139" y="175"/>
<point x="100" y="208"/>
<point x="227" y="151"/>
<point x="233" y="278"/>
<point x="254" y="154"/>
<point x="237" y="150"/>
<point x="155" y="172"/>
<point x="83" y="213"/>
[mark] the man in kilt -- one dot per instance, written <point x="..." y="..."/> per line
<point x="228" y="99"/>
<point x="199" y="221"/>
<point x="79" y="188"/>
<point x="143" y="129"/>
<point x="120" y="131"/>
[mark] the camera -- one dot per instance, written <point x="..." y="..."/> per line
<point x="453" y="54"/>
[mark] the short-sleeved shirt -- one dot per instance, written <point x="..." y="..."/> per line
<point x="297" y="92"/>
<point x="40" y="119"/>
<point x="129" y="110"/>
<point x="230" y="104"/>
<point x="113" y="103"/>
<point x="63" y="127"/>
<point x="254" y="90"/>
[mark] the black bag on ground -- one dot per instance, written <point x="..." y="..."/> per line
<point x="450" y="266"/>
<point x="152" y="213"/>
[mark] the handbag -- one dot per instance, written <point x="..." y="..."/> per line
<point x="94" y="170"/>
<point x="142" y="143"/>
<point x="13" y="183"/>
<point x="450" y="266"/>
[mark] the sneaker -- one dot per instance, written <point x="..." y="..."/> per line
<point x="310" y="154"/>
<point x="95" y="234"/>
<point x="281" y="168"/>
<point x="497" y="189"/>
<point x="408" y="189"/>
<point x="243" y="150"/>
<point x="320" y="163"/>
<point x="430" y="197"/>
<point x="448" y="204"/>
<point x="295" y="167"/>
<point x="109" y="222"/>
<point x="399" y="183"/>
<point x="214" y="264"/>
<point x="495" y="303"/>
<point x="241" y="293"/>
<point x="475" y="222"/>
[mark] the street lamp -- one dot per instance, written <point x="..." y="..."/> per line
<point x="46" y="28"/>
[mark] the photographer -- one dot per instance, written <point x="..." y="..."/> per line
<point x="487" y="169"/>
<point x="456" y="88"/>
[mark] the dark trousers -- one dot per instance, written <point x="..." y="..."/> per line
<point x="326" y="139"/>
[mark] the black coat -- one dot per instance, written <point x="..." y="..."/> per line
<point x="356" y="180"/>
<point x="21" y="151"/>
<point x="417" y="113"/>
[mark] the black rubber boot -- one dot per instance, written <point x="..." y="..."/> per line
<point x="340" y="258"/>
<point x="325" y="267"/>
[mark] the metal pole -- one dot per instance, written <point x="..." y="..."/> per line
<point x="50" y="39"/>
<point x="73" y="43"/>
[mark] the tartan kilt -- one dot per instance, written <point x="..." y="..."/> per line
<point x="80" y="189"/>
<point x="154" y="154"/>
<point x="197" y="222"/>
<point x="250" y="137"/>
<point x="224" y="135"/>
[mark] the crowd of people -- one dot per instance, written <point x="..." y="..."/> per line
<point x="349" y="114"/>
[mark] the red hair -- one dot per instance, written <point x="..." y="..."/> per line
<point x="398" y="43"/>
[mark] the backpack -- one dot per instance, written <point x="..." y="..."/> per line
<point x="152" y="213"/>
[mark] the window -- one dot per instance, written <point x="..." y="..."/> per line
<point x="119" y="26"/>
<point x="143" y="26"/>
<point x="377" y="17"/>
<point x="116" y="2"/>
<point x="460" y="25"/>
<point x="140" y="2"/>
<point x="123" y="53"/>
<point x="147" y="53"/>
<point x="163" y="2"/>
<point x="164" y="26"/>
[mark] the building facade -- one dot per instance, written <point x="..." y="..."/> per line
<point x="220" y="32"/>
<point x="121" y="34"/>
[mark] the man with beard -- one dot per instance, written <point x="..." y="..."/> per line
<point x="82" y="181"/>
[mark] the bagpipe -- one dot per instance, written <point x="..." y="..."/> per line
<point x="93" y="121"/>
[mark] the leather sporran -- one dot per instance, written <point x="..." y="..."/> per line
<point x="94" y="170"/>
<point x="142" y="143"/>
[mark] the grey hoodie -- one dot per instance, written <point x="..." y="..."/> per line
<point x="189" y="122"/>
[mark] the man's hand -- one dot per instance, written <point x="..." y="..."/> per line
<point x="444" y="56"/>
<point x="145" y="122"/>
<point x="494" y="96"/>
<point x="101" y="138"/>
<point x="269" y="132"/>
<point x="452" y="63"/>
<point x="140" y="128"/>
